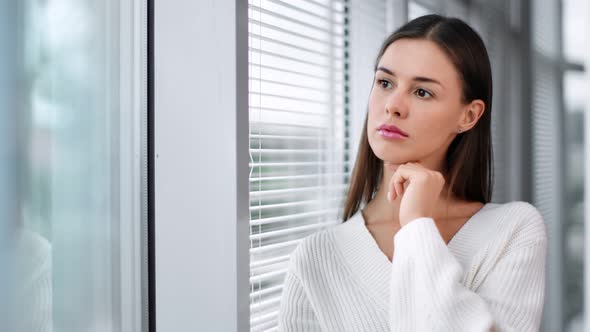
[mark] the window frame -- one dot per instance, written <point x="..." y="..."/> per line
<point x="201" y="278"/>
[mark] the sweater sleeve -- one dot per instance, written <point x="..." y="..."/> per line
<point x="427" y="293"/>
<point x="296" y="313"/>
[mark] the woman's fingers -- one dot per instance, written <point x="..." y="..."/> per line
<point x="399" y="182"/>
<point x="420" y="188"/>
<point x="391" y="196"/>
<point x="391" y="191"/>
<point x="400" y="178"/>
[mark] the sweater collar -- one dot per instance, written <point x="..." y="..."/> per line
<point x="369" y="264"/>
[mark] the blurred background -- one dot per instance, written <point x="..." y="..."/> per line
<point x="74" y="143"/>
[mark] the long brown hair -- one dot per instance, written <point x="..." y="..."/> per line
<point x="470" y="153"/>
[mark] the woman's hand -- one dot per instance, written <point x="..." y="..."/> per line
<point x="419" y="189"/>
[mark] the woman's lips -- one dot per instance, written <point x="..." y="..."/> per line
<point x="391" y="132"/>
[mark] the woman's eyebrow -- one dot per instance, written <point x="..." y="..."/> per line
<point x="417" y="78"/>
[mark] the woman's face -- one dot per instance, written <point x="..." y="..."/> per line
<point x="418" y="90"/>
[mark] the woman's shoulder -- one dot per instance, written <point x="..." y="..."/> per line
<point x="312" y="247"/>
<point x="318" y="249"/>
<point x="520" y="212"/>
<point x="519" y="220"/>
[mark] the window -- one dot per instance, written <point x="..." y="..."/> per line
<point x="575" y="87"/>
<point x="73" y="91"/>
<point x="548" y="166"/>
<point x="298" y="136"/>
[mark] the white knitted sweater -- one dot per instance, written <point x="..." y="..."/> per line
<point x="491" y="275"/>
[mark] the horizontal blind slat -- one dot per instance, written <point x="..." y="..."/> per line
<point x="265" y="291"/>
<point x="308" y="113"/>
<point x="307" y="12"/>
<point x="288" y="231"/>
<point x="289" y="84"/>
<point x="269" y="248"/>
<point x="270" y="220"/>
<point x="290" y="70"/>
<point x="298" y="177"/>
<point x="286" y="57"/>
<point x="289" y="204"/>
<point x="294" y="151"/>
<point x="333" y="2"/>
<point x="322" y="102"/>
<point x="262" y="320"/>
<point x="279" y="192"/>
<point x="270" y="275"/>
<point x="265" y="304"/>
<point x="268" y="261"/>
<point x="298" y="164"/>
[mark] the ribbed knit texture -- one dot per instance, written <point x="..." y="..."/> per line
<point x="490" y="275"/>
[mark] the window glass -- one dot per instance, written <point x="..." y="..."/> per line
<point x="70" y="169"/>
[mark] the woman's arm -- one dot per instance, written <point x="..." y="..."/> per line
<point x="427" y="293"/>
<point x="296" y="313"/>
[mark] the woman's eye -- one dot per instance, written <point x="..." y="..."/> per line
<point x="383" y="83"/>
<point x="423" y="93"/>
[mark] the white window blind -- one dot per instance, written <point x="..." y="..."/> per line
<point x="298" y="136"/>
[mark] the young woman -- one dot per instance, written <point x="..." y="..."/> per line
<point x="421" y="247"/>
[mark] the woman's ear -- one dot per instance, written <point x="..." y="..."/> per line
<point x="471" y="114"/>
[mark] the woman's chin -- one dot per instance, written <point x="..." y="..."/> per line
<point x="393" y="160"/>
<point x="391" y="157"/>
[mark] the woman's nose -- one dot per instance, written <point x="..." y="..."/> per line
<point x="396" y="104"/>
